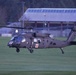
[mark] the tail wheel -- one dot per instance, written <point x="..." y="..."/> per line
<point x="17" y="50"/>
<point x="62" y="50"/>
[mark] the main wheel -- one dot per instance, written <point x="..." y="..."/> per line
<point x="17" y="50"/>
<point x="31" y="51"/>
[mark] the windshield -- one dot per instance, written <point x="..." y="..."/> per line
<point x="17" y="38"/>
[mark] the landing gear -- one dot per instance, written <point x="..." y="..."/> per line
<point x="31" y="50"/>
<point x="62" y="50"/>
<point x="17" y="50"/>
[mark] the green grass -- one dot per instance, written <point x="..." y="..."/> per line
<point x="39" y="73"/>
<point x="41" y="62"/>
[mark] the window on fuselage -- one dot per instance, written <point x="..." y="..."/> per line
<point x="37" y="40"/>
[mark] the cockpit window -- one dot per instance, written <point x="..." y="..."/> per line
<point x="17" y="38"/>
<point x="13" y="38"/>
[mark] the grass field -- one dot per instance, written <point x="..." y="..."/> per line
<point x="41" y="62"/>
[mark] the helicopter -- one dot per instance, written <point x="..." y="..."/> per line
<point x="38" y="40"/>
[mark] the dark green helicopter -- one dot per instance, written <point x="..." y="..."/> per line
<point x="38" y="40"/>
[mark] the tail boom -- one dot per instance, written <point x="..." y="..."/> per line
<point x="72" y="35"/>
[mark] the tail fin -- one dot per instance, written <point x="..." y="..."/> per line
<point x="72" y="35"/>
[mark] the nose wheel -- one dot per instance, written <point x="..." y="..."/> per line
<point x="17" y="50"/>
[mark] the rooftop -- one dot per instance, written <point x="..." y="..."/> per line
<point x="49" y="14"/>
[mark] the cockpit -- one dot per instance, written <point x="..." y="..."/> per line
<point x="18" y="38"/>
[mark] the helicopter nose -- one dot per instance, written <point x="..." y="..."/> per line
<point x="13" y="44"/>
<point x="10" y="43"/>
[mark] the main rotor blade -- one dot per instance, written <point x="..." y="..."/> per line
<point x="17" y="27"/>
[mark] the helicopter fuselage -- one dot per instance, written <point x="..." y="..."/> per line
<point x="36" y="42"/>
<point x="39" y="40"/>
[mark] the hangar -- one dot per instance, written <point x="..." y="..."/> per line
<point x="49" y="18"/>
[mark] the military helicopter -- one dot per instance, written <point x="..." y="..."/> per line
<point x="38" y="40"/>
